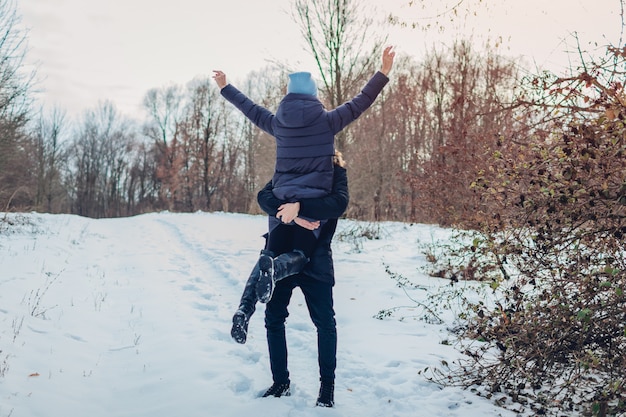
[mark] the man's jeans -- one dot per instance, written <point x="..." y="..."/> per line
<point x="319" y="300"/>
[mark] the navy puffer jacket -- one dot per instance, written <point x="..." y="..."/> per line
<point x="305" y="136"/>
<point x="331" y="207"/>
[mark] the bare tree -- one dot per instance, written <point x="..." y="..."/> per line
<point x="142" y="190"/>
<point x="100" y="163"/>
<point x="15" y="84"/>
<point x="340" y="38"/>
<point x="469" y="96"/>
<point x="390" y="139"/>
<point x="198" y="142"/>
<point x="427" y="138"/>
<point x="47" y="137"/>
<point x="440" y="16"/>
<point x="163" y="106"/>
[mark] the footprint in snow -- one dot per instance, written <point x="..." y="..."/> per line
<point x="190" y="287"/>
<point x="205" y="307"/>
<point x="247" y="356"/>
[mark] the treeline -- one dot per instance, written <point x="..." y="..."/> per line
<point x="408" y="156"/>
<point x="412" y="157"/>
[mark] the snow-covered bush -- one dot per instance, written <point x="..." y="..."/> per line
<point x="556" y="339"/>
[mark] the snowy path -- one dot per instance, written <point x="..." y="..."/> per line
<point x="131" y="317"/>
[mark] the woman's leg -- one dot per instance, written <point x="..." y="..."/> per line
<point x="280" y="239"/>
<point x="247" y="306"/>
<point x="288" y="262"/>
<point x="304" y="240"/>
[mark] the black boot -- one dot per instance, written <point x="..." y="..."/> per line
<point x="278" y="390"/>
<point x="275" y="269"/>
<point x="326" y="397"/>
<point x="247" y="306"/>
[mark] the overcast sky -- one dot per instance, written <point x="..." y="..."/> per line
<point x="87" y="51"/>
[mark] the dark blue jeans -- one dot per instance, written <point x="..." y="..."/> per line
<point x="319" y="300"/>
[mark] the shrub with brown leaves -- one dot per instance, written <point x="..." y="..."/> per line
<point x="556" y="339"/>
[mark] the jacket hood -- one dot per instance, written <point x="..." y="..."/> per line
<point x="299" y="110"/>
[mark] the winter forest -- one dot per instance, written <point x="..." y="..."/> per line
<point x="527" y="166"/>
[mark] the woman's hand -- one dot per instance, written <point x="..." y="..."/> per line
<point x="220" y="78"/>
<point x="388" y="56"/>
<point x="288" y="212"/>
<point x="306" y="223"/>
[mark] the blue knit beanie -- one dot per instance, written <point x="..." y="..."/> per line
<point x="301" y="83"/>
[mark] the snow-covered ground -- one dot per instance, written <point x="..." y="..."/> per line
<point x="131" y="317"/>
